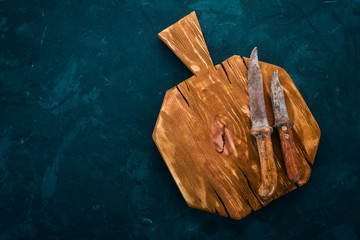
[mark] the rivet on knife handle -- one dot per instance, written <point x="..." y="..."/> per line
<point x="260" y="128"/>
<point x="284" y="126"/>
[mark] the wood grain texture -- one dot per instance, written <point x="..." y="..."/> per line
<point x="203" y="130"/>
<point x="288" y="149"/>
<point x="186" y="40"/>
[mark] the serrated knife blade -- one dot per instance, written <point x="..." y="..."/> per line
<point x="278" y="100"/>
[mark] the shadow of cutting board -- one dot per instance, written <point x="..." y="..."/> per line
<point x="203" y="129"/>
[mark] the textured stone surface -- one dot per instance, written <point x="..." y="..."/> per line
<point x="80" y="90"/>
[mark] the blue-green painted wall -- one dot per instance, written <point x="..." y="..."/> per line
<point x="81" y="85"/>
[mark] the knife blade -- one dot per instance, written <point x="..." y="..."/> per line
<point x="284" y="127"/>
<point x="260" y="128"/>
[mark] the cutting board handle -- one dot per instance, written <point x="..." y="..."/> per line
<point x="186" y="40"/>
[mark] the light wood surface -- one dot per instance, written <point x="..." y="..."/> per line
<point x="203" y="129"/>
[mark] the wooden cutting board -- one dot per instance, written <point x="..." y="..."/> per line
<point x="203" y="129"/>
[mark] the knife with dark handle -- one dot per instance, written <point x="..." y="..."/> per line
<point x="284" y="127"/>
<point x="260" y="128"/>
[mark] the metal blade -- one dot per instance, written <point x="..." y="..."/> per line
<point x="256" y="92"/>
<point x="278" y="100"/>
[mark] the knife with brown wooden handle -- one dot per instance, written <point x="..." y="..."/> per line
<point x="260" y="128"/>
<point x="284" y="126"/>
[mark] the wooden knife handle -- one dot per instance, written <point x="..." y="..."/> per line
<point x="267" y="162"/>
<point x="288" y="149"/>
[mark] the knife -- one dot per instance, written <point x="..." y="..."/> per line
<point x="260" y="128"/>
<point x="284" y="126"/>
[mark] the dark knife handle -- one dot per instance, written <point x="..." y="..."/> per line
<point x="288" y="149"/>
<point x="267" y="162"/>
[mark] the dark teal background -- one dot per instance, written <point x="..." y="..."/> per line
<point x="81" y="85"/>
